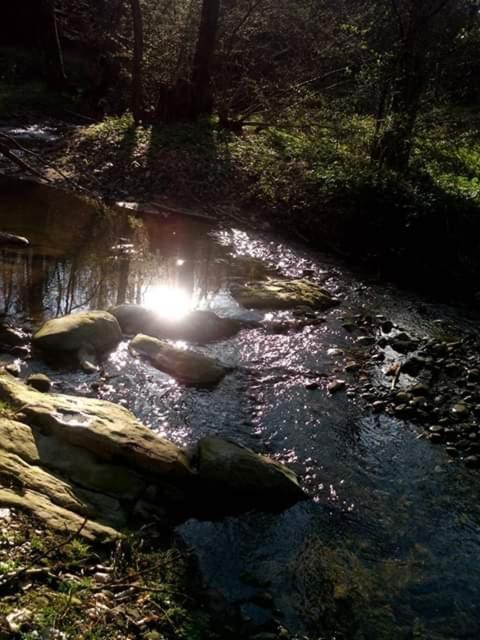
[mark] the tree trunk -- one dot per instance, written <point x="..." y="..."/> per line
<point x="202" y="95"/>
<point x="50" y="41"/>
<point x="137" y="60"/>
<point x="392" y="147"/>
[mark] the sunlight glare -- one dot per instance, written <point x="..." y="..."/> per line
<point x="171" y="303"/>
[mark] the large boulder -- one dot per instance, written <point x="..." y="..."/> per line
<point x="240" y="476"/>
<point x="185" y="365"/>
<point x="198" y="326"/>
<point x="282" y="294"/>
<point x="66" y="458"/>
<point x="88" y="331"/>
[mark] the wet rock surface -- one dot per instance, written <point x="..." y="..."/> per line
<point x="185" y="365"/>
<point x="236" y="472"/>
<point x="75" y="334"/>
<point x="283" y="294"/>
<point x="430" y="382"/>
<point x="66" y="459"/>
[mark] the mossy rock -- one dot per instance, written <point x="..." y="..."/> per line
<point x="97" y="330"/>
<point x="282" y="294"/>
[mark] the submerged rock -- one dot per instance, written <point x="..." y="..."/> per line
<point x="237" y="473"/>
<point x="197" y="326"/>
<point x="89" y="331"/>
<point x="186" y="366"/>
<point x="282" y="294"/>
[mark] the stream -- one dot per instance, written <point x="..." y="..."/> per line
<point x="389" y="544"/>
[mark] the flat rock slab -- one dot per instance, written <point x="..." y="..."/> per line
<point x="55" y="516"/>
<point x="239" y="474"/>
<point x="282" y="294"/>
<point x="198" y="326"/>
<point x="96" y="330"/>
<point x="78" y="465"/>
<point x="108" y="431"/>
<point x="185" y="365"/>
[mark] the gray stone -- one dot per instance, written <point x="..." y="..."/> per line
<point x="94" y="330"/>
<point x="238" y="472"/>
<point x="336" y="386"/>
<point x="185" y="365"/>
<point x="40" y="382"/>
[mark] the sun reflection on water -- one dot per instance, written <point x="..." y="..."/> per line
<point x="172" y="303"/>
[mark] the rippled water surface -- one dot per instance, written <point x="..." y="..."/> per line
<point x="389" y="545"/>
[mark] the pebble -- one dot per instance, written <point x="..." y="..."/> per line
<point x="459" y="411"/>
<point x="403" y="397"/>
<point x="365" y="341"/>
<point x="40" y="382"/>
<point x="13" y="368"/>
<point x="336" y="385"/>
<point x="420" y="390"/>
<point x="335" y="352"/>
<point x="472" y="461"/>
<point x="352" y="366"/>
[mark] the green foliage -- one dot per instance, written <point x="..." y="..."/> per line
<point x="31" y="96"/>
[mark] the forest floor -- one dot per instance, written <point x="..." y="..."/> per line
<point x="60" y="587"/>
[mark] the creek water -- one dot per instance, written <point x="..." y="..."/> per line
<point x="388" y="546"/>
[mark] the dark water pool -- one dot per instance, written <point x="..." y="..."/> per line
<point x="389" y="545"/>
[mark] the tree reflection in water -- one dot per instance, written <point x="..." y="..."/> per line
<point x="83" y="256"/>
